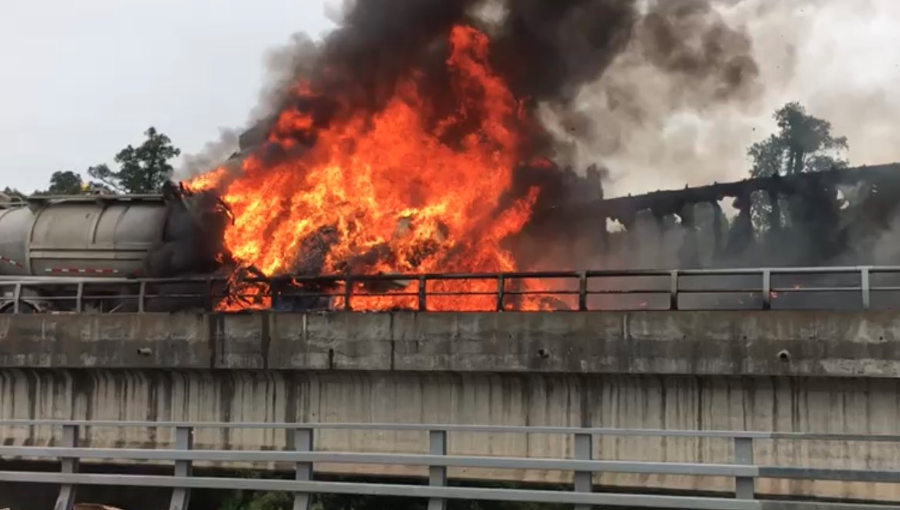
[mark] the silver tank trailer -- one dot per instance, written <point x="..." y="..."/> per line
<point x="47" y="240"/>
<point x="86" y="236"/>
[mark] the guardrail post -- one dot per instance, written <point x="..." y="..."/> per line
<point x="673" y="290"/>
<point x="79" y="298"/>
<point x="275" y="291"/>
<point x="584" y="480"/>
<point x="210" y="300"/>
<point x="184" y="440"/>
<point x="743" y="454"/>
<point x="422" y="289"/>
<point x="142" y="297"/>
<point x="66" y="498"/>
<point x="767" y="289"/>
<point x="303" y="442"/>
<point x="17" y="298"/>
<point x="348" y="293"/>
<point x="582" y="291"/>
<point x="437" y="475"/>
<point x="866" y="287"/>
<point x="501" y="285"/>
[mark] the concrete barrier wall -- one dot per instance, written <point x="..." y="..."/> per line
<point x="859" y="344"/>
<point x="851" y="405"/>
<point x="782" y="371"/>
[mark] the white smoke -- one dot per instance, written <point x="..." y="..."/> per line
<point x="283" y="64"/>
<point x="839" y="58"/>
<point x="211" y="156"/>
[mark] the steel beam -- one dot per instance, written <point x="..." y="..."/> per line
<point x="181" y="495"/>
<point x="69" y="465"/>
<point x="303" y="442"/>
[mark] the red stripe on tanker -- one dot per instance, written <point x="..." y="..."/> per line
<point x="11" y="262"/>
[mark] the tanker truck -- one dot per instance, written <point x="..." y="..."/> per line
<point x="54" y="249"/>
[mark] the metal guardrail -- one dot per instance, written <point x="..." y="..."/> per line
<point x="301" y="453"/>
<point x="746" y="288"/>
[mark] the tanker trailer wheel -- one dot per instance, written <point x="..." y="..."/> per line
<point x="24" y="307"/>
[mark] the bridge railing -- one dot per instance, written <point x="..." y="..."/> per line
<point x="302" y="454"/>
<point x="706" y="289"/>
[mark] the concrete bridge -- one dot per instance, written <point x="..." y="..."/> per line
<point x="781" y="371"/>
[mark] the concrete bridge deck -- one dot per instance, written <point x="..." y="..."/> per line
<point x="789" y="371"/>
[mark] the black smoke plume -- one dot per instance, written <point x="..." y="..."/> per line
<point x="546" y="50"/>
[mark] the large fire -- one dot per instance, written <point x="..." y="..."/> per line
<point x="391" y="191"/>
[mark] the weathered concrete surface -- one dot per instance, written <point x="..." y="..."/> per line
<point x="718" y="343"/>
<point x="847" y="405"/>
<point x="687" y="370"/>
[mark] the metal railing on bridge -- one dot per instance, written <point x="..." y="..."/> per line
<point x="303" y="456"/>
<point x="707" y="289"/>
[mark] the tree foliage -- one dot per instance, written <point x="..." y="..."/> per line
<point x="257" y="501"/>
<point x="142" y="169"/>
<point x="65" y="183"/>
<point x="803" y="143"/>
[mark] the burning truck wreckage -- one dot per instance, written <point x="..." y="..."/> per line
<point x="414" y="149"/>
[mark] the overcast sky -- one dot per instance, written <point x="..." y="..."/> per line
<point x="79" y="80"/>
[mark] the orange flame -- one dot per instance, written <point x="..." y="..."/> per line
<point x="207" y="181"/>
<point x="389" y="183"/>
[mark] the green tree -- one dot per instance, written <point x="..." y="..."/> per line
<point x="142" y="169"/>
<point x="803" y="144"/>
<point x="65" y="183"/>
<point x="258" y="501"/>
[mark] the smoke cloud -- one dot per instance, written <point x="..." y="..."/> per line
<point x="283" y="67"/>
<point x="662" y="93"/>
<point x="211" y="156"/>
<point x="686" y="117"/>
<point x="548" y="49"/>
<point x="602" y="72"/>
